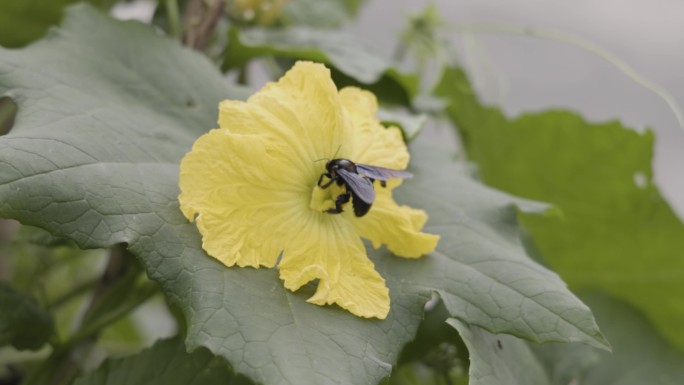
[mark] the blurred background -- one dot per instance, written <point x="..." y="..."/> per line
<point x="530" y="74"/>
<point x="524" y="73"/>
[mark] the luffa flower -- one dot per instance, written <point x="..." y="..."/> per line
<point x="251" y="186"/>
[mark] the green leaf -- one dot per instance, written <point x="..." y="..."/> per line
<point x="22" y="22"/>
<point x="480" y="269"/>
<point x="23" y="324"/>
<point x="356" y="62"/>
<point x="40" y="237"/>
<point x="167" y="363"/>
<point x="319" y="13"/>
<point x="617" y="234"/>
<point x="411" y="125"/>
<point x="106" y="111"/>
<point x="320" y="45"/>
<point x="499" y="359"/>
<point x="640" y="354"/>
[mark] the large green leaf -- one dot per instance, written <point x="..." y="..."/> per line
<point x="480" y="269"/>
<point x="306" y="43"/>
<point x="106" y="111"/>
<point x="23" y="324"/>
<point x="499" y="359"/>
<point x="355" y="62"/>
<point x="617" y="234"/>
<point x="165" y="363"/>
<point x="640" y="354"/>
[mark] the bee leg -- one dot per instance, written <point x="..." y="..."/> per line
<point x="383" y="183"/>
<point x="325" y="185"/>
<point x="341" y="199"/>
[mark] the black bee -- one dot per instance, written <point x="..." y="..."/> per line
<point x="358" y="181"/>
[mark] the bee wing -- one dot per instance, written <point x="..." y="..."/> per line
<point x="361" y="187"/>
<point x="381" y="173"/>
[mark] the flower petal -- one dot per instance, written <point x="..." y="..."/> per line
<point x="396" y="226"/>
<point x="386" y="223"/>
<point x="300" y="114"/>
<point x="373" y="143"/>
<point x="242" y="201"/>
<point x="328" y="249"/>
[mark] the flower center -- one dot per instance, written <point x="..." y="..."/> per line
<point x="324" y="199"/>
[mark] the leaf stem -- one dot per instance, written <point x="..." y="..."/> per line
<point x="142" y="293"/>
<point x="174" y="17"/>
<point x="243" y="75"/>
<point x="447" y="377"/>
<point x="579" y="42"/>
<point x="71" y="294"/>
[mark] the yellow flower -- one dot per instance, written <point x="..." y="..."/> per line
<point x="251" y="186"/>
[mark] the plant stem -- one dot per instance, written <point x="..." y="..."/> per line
<point x="8" y="230"/>
<point x="142" y="294"/>
<point x="201" y="17"/>
<point x="116" y="269"/>
<point x="71" y="294"/>
<point x="64" y="363"/>
<point x="447" y="378"/>
<point x="174" y="17"/>
<point x="243" y="75"/>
